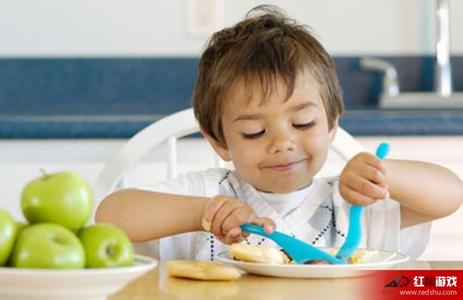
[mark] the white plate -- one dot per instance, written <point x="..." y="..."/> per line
<point x="370" y="260"/>
<point x="70" y="284"/>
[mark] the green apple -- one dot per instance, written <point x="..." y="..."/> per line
<point x="48" y="245"/>
<point x="8" y="232"/>
<point x="63" y="198"/>
<point x="106" y="246"/>
<point x="21" y="226"/>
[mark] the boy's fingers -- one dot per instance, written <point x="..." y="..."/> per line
<point x="211" y="208"/>
<point x="233" y="236"/>
<point x="222" y="217"/>
<point x="358" y="199"/>
<point x="236" y="217"/>
<point x="234" y="232"/>
<point x="206" y="225"/>
<point x="384" y="185"/>
<point x="267" y="223"/>
<point x="368" y="188"/>
<point x="372" y="160"/>
<point x="375" y="162"/>
<point x="373" y="174"/>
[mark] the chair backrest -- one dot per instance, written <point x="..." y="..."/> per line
<point x="168" y="130"/>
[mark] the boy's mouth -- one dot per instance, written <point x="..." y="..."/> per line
<point x="282" y="167"/>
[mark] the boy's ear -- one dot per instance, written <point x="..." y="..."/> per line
<point x="218" y="148"/>
<point x="332" y="132"/>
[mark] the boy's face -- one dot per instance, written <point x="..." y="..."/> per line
<point x="279" y="146"/>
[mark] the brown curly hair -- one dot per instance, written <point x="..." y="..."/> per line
<point x="262" y="47"/>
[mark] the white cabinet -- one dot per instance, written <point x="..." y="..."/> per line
<point x="21" y="160"/>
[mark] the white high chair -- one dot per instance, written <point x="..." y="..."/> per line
<point x="168" y="130"/>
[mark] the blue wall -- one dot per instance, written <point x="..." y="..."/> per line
<point x="116" y="97"/>
<point x="126" y="86"/>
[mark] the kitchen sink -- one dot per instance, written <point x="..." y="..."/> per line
<point x="422" y="100"/>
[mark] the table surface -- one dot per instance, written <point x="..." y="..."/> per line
<point x="157" y="285"/>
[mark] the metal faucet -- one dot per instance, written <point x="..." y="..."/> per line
<point x="443" y="97"/>
<point x="390" y="78"/>
<point x="443" y="71"/>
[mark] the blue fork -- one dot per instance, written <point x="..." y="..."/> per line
<point x="354" y="233"/>
<point x="298" y="250"/>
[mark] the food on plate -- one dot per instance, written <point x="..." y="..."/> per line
<point x="260" y="254"/>
<point x="272" y="255"/>
<point x="201" y="270"/>
<point x="362" y="256"/>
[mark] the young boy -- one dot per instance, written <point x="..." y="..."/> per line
<point x="267" y="98"/>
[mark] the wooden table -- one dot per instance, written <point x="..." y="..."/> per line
<point x="156" y="285"/>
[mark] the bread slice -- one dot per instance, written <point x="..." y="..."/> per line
<point x="201" y="270"/>
<point x="259" y="254"/>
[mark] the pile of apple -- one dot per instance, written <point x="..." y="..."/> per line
<point x="57" y="207"/>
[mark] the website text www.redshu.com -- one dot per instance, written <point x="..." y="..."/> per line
<point x="427" y="292"/>
<point x="414" y="284"/>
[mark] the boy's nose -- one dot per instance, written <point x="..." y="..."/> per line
<point x="281" y="143"/>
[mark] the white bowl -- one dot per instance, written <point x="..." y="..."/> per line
<point x="70" y="284"/>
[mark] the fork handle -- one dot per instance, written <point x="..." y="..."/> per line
<point x="251" y="228"/>
<point x="354" y="232"/>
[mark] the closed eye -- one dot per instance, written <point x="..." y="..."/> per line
<point x="251" y="136"/>
<point x="304" y="126"/>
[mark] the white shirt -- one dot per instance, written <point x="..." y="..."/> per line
<point x="284" y="203"/>
<point x="316" y="214"/>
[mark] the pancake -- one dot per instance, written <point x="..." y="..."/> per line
<point x="258" y="254"/>
<point x="201" y="270"/>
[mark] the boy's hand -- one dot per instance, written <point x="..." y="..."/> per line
<point x="362" y="181"/>
<point x="224" y="215"/>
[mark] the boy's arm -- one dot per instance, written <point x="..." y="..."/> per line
<point x="146" y="215"/>
<point x="425" y="191"/>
